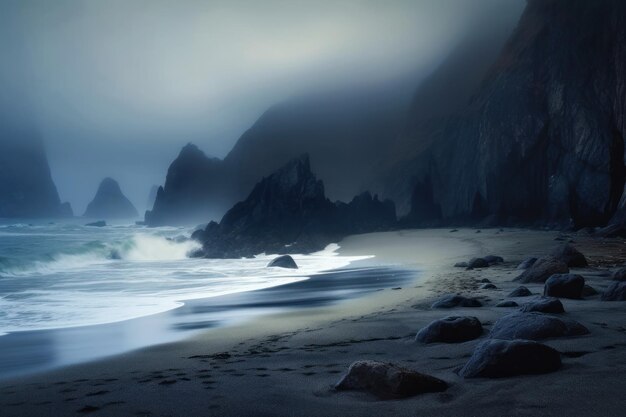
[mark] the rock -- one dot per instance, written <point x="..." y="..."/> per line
<point x="502" y="358"/>
<point x="493" y="259"/>
<point x="619" y="275"/>
<point x="535" y="326"/>
<point x="100" y="223"/>
<point x="283" y="261"/>
<point x="453" y="300"/>
<point x="485" y="280"/>
<point x="454" y="230"/>
<point x="388" y="381"/>
<point x="570" y="256"/>
<point x="110" y="203"/>
<point x="543" y="269"/>
<point x="615" y="292"/>
<point x="507" y="303"/>
<point x="488" y="286"/>
<point x="460" y="265"/>
<point x="520" y="291"/>
<point x="589" y="291"/>
<point x="544" y="305"/>
<point x="564" y="285"/>
<point x="477" y="263"/>
<point x="527" y="263"/>
<point x="453" y="329"/>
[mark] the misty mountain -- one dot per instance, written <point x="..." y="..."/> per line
<point x="541" y="140"/>
<point x="26" y="186"/>
<point x="110" y="203"/>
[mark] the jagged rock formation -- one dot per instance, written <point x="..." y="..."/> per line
<point x="288" y="212"/>
<point x="110" y="203"/>
<point x="152" y="195"/>
<point x="541" y="141"/>
<point x="26" y="186"/>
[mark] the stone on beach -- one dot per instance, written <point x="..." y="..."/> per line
<point x="520" y="291"/>
<point x="507" y="303"/>
<point x="493" y="259"/>
<point x="570" y="256"/>
<point x="535" y="326"/>
<point x="544" y="305"/>
<point x="453" y="329"/>
<point x="564" y="285"/>
<point x="283" y="261"/>
<point x="477" y="263"/>
<point x="502" y="358"/>
<point x="454" y="300"/>
<point x="543" y="269"/>
<point x="527" y="263"/>
<point x="388" y="381"/>
<point x="619" y="275"/>
<point x="488" y="286"/>
<point x="589" y="291"/>
<point x="615" y="292"/>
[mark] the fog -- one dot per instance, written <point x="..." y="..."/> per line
<point x="116" y="87"/>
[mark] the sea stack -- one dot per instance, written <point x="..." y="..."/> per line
<point x="110" y="203"/>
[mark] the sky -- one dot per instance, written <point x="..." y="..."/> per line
<point x="116" y="87"/>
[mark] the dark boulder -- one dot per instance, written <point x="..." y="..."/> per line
<point x="520" y="291"/>
<point x="570" y="256"/>
<point x="543" y="269"/>
<point x="110" y="203"/>
<point x="485" y="280"/>
<point x="544" y="305"/>
<point x="388" y="381"/>
<point x="488" y="286"/>
<point x="564" y="285"/>
<point x="527" y="263"/>
<point x="507" y="303"/>
<point x="589" y="291"/>
<point x="503" y="358"/>
<point x="453" y="329"/>
<point x="283" y="261"/>
<point x="477" y="263"/>
<point x="619" y="275"/>
<point x="100" y="223"/>
<point x="493" y="259"/>
<point x="454" y="300"/>
<point x="535" y="326"/>
<point x="461" y="265"/>
<point x="615" y="292"/>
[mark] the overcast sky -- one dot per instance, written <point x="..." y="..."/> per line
<point x="116" y="87"/>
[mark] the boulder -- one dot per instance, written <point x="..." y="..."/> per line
<point x="527" y="263"/>
<point x="502" y="358"/>
<point x="507" y="303"/>
<point x="570" y="256"/>
<point x="485" y="280"/>
<point x="615" y="292"/>
<point x="488" y="286"/>
<point x="520" y="291"/>
<point x="283" y="261"/>
<point x="455" y="300"/>
<point x="493" y="259"/>
<point x="543" y="269"/>
<point x="535" y="326"/>
<point x="589" y="291"/>
<point x="461" y="265"/>
<point x="564" y="285"/>
<point x="619" y="275"/>
<point x="388" y="381"/>
<point x="544" y="305"/>
<point x="453" y="329"/>
<point x="477" y="263"/>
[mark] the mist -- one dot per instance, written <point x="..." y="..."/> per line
<point x="116" y="88"/>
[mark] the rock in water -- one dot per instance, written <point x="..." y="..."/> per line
<point x="564" y="285"/>
<point x="388" y="381"/>
<point x="520" y="291"/>
<point x="110" y="203"/>
<point x="493" y="259"/>
<point x="543" y="269"/>
<point x="615" y="292"/>
<point x="453" y="329"/>
<point x="283" y="261"/>
<point x="453" y="300"/>
<point x="570" y="256"/>
<point x="544" y="305"/>
<point x="502" y="358"/>
<point x="535" y="326"/>
<point x="100" y="223"/>
<point x="477" y="263"/>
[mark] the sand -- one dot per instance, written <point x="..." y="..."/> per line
<point x="286" y="364"/>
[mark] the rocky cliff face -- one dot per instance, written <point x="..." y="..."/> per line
<point x="26" y="186"/>
<point x="110" y="203"/>
<point x="541" y="141"/>
<point x="288" y="212"/>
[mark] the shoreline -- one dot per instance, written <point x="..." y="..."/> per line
<point x="286" y="363"/>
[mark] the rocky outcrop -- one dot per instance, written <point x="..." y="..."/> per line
<point x="288" y="212"/>
<point x="110" y="203"/>
<point x="388" y="381"/>
<point x="26" y="186"/>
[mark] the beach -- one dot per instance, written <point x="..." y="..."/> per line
<point x="286" y="363"/>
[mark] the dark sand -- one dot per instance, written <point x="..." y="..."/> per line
<point x="285" y="364"/>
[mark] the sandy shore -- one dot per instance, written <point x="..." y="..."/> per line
<point x="285" y="364"/>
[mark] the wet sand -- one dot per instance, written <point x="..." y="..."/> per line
<point x="285" y="364"/>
